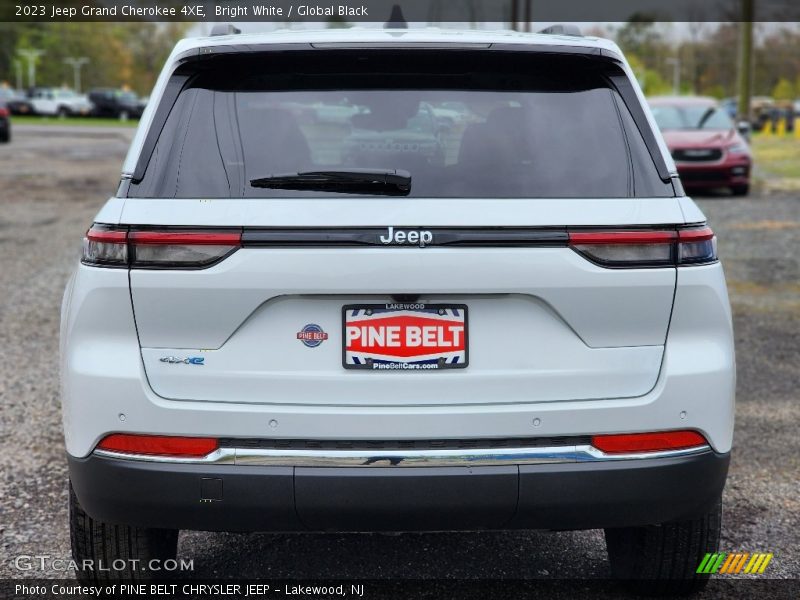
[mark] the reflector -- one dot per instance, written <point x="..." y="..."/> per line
<point x="647" y="442"/>
<point x="158" y="445"/>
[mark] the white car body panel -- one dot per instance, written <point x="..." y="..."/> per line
<point x="381" y="212"/>
<point x="635" y="303"/>
<point x="105" y="388"/>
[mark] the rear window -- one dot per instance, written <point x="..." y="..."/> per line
<point x="464" y="124"/>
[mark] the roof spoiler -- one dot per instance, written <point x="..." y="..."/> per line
<point x="561" y="29"/>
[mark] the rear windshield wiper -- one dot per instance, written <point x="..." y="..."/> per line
<point x="391" y="182"/>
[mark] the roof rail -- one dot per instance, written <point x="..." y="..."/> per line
<point x="224" y="29"/>
<point x="562" y="30"/>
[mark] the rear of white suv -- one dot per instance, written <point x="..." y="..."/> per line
<point x="312" y="305"/>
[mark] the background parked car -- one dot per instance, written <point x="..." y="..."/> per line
<point x="5" y="124"/>
<point x="115" y="103"/>
<point x="16" y="101"/>
<point x="61" y="102"/>
<point x="704" y="142"/>
<point x="730" y="106"/>
<point x="762" y="111"/>
<point x="7" y="93"/>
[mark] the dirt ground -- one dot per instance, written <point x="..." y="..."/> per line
<point x="51" y="184"/>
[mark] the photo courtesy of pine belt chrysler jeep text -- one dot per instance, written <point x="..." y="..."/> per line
<point x="369" y="280"/>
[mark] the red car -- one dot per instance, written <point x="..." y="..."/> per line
<point x="708" y="150"/>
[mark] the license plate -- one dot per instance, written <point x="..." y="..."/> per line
<point x="404" y="337"/>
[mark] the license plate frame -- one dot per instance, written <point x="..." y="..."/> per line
<point x="450" y="314"/>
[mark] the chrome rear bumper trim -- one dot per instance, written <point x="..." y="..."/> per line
<point x="406" y="458"/>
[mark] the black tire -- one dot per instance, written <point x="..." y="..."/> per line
<point x="740" y="190"/>
<point x="62" y="112"/>
<point x="5" y="137"/>
<point x="663" y="559"/>
<point x="98" y="542"/>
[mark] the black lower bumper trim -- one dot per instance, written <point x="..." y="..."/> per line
<point x="254" y="498"/>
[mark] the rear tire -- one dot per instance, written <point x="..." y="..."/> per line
<point x="663" y="559"/>
<point x="106" y="543"/>
<point x="740" y="190"/>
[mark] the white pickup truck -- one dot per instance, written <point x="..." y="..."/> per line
<point x="59" y="102"/>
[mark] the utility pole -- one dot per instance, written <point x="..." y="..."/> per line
<point x="18" y="69"/>
<point x="31" y="55"/>
<point x="76" y="64"/>
<point x="521" y="15"/>
<point x="527" y="16"/>
<point x="676" y="74"/>
<point x="745" y="77"/>
<point x="514" y="14"/>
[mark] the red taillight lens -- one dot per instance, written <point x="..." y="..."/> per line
<point x="648" y="442"/>
<point x="181" y="248"/>
<point x="631" y="249"/>
<point x="114" y="246"/>
<point x="616" y="238"/>
<point x="158" y="445"/>
<point x="4" y="111"/>
<point x="625" y="248"/>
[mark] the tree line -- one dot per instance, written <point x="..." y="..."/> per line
<point x="703" y="58"/>
<point x="706" y="55"/>
<point x="120" y="54"/>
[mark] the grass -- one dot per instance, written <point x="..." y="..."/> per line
<point x="777" y="157"/>
<point x="75" y="121"/>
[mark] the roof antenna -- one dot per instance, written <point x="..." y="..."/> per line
<point x="396" y="19"/>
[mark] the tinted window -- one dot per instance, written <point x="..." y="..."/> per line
<point x="516" y="127"/>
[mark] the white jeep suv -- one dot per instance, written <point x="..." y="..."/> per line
<point x="307" y="308"/>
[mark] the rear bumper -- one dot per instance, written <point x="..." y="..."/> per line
<point x="230" y="497"/>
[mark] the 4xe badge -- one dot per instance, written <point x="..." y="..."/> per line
<point x="190" y="360"/>
<point x="312" y="335"/>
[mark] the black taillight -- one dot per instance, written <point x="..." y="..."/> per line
<point x="696" y="246"/>
<point x="110" y="246"/>
<point x="105" y="246"/>
<point x="646" y="248"/>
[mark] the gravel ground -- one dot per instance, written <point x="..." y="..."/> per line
<point x="51" y="186"/>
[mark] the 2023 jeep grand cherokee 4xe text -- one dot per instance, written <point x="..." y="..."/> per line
<point x="313" y="306"/>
